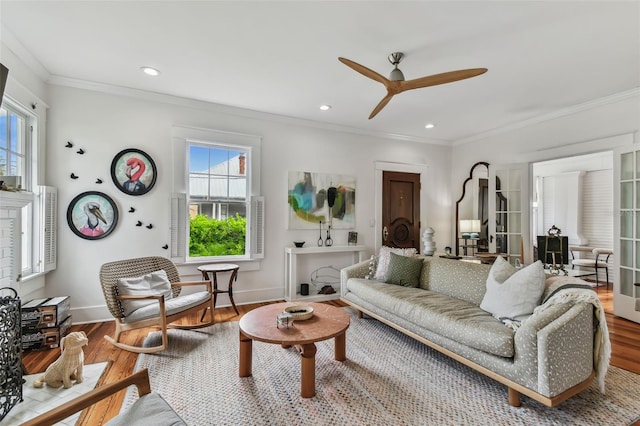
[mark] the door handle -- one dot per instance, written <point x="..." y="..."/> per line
<point x="385" y="233"/>
<point x="490" y="238"/>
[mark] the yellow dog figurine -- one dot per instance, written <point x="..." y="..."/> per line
<point x="69" y="365"/>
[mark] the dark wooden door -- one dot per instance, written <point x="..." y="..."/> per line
<point x="401" y="209"/>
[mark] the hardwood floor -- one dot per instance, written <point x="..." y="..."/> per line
<point x="624" y="336"/>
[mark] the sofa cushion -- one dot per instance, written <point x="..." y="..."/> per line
<point x="455" y="278"/>
<point x="384" y="257"/>
<point x="456" y="319"/>
<point x="511" y="292"/>
<point x="154" y="283"/>
<point x="404" y="271"/>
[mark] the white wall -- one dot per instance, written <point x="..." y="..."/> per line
<point x="567" y="208"/>
<point x="103" y="124"/>
<point x="590" y="128"/>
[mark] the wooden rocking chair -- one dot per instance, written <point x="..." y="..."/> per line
<point x="159" y="310"/>
<point x="150" y="408"/>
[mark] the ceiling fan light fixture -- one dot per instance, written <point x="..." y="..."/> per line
<point x="396" y="75"/>
<point x="150" y="71"/>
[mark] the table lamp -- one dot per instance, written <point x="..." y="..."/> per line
<point x="470" y="228"/>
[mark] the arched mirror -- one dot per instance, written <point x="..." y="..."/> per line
<point x="472" y="212"/>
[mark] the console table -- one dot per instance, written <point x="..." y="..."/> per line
<point x="291" y="254"/>
<point x="469" y="246"/>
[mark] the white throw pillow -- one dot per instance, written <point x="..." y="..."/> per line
<point x="513" y="292"/>
<point x="385" y="256"/>
<point x="150" y="284"/>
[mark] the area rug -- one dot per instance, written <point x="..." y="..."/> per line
<point x="37" y="401"/>
<point x="388" y="379"/>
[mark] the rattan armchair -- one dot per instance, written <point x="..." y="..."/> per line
<point x="160" y="313"/>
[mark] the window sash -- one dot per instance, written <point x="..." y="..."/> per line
<point x="14" y="140"/>
<point x="217" y="183"/>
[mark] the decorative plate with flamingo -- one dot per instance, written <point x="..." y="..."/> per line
<point x="133" y="171"/>
<point x="92" y="215"/>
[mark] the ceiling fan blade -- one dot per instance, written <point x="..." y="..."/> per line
<point x="364" y="71"/>
<point x="381" y="105"/>
<point x="436" y="79"/>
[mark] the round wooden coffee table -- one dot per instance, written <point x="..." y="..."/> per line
<point x="327" y="322"/>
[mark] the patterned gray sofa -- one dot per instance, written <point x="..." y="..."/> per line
<point x="549" y="357"/>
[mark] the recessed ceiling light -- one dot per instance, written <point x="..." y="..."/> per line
<point x="150" y="71"/>
<point x="429" y="126"/>
<point x="325" y="107"/>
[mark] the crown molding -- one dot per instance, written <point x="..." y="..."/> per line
<point x="259" y="115"/>
<point x="22" y="53"/>
<point x="616" y="97"/>
<point x="230" y="110"/>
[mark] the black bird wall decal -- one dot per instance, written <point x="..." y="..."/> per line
<point x="80" y="151"/>
<point x="73" y="176"/>
<point x="139" y="223"/>
<point x="149" y="226"/>
<point x="98" y="181"/>
<point x="69" y="144"/>
<point x="166" y="246"/>
<point x="131" y="210"/>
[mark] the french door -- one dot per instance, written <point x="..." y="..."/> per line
<point x="626" y="202"/>
<point x="509" y="230"/>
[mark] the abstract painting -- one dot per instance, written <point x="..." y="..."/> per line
<point x="321" y="197"/>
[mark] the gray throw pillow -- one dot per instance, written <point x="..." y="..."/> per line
<point x="404" y="271"/>
<point x="383" y="259"/>
<point x="150" y="284"/>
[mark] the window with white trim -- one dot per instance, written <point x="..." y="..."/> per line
<point x="18" y="157"/>
<point x="218" y="216"/>
<point x="218" y="200"/>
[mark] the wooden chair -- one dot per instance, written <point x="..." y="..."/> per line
<point x="160" y="313"/>
<point x="149" y="404"/>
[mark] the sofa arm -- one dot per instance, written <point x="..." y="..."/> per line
<point x="359" y="270"/>
<point x="541" y="319"/>
<point x="565" y="350"/>
<point x="559" y="340"/>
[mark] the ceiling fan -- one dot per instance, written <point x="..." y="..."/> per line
<point x="396" y="83"/>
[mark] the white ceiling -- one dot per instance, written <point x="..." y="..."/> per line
<point x="282" y="57"/>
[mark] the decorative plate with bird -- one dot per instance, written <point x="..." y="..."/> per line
<point x="92" y="215"/>
<point x="133" y="171"/>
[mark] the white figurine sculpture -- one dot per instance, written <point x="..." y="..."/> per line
<point x="429" y="244"/>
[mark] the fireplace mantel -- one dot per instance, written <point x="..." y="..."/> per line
<point x="15" y="200"/>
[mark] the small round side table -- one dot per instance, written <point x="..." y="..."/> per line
<point x="214" y="268"/>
